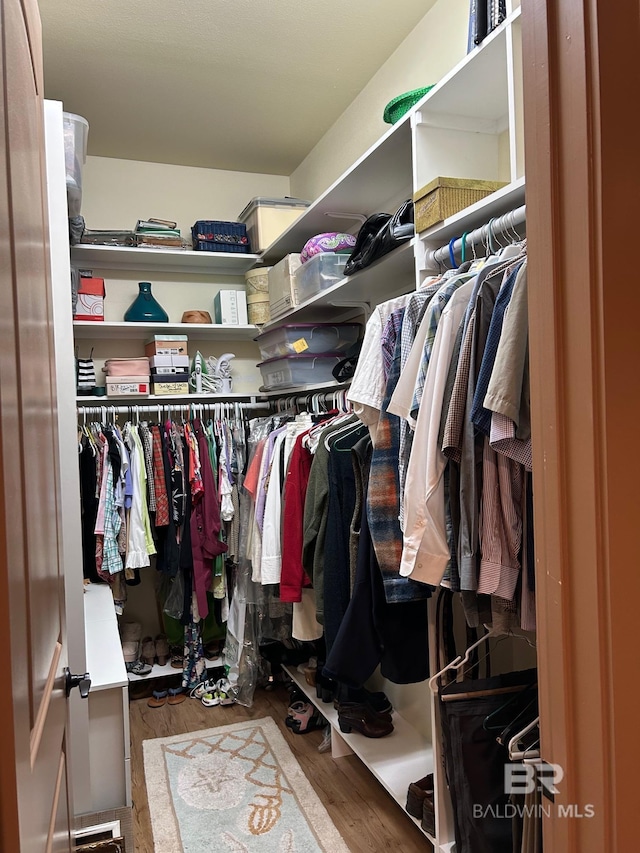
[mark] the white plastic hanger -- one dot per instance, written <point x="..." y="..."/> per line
<point x="518" y="754"/>
<point x="460" y="661"/>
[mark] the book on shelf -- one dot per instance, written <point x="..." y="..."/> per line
<point x="496" y="13"/>
<point x="155" y="225"/>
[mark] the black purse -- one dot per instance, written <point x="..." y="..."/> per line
<point x="379" y="235"/>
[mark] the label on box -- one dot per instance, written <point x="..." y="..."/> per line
<point x="127" y="389"/>
<point x="300" y="345"/>
<point x="161" y="388"/>
<point x="180" y="361"/>
<point x="170" y="371"/>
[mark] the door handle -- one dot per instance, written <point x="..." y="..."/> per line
<point x="82" y="682"/>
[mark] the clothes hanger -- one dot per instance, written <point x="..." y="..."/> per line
<point x="461" y="660"/>
<point x="516" y="753"/>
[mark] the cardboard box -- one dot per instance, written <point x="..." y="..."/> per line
<point x="283" y="290"/>
<point x="90" y="304"/>
<point x="230" y="307"/>
<point x="172" y="374"/>
<point x="166" y="345"/>
<point x="162" y="388"/>
<point x="123" y="386"/>
<point x="157" y="361"/>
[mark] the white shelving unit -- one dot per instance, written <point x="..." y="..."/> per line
<point x="114" y="331"/>
<point x="160" y="398"/>
<point x="162" y="260"/>
<point x="395" y="760"/>
<point x="168" y="670"/>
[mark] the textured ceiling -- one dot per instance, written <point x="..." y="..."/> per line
<point x="249" y="85"/>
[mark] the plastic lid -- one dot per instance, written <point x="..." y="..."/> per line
<point x="75" y="117"/>
<point x="262" y="201"/>
<point x="338" y="355"/>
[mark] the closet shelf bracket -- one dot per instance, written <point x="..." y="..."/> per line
<point x="365" y="307"/>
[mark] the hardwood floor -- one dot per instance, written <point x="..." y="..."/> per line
<point x="364" y="814"/>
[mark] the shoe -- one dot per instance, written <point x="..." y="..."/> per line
<point x="130" y="650"/>
<point x="223" y="692"/>
<point x="304" y="718"/>
<point x="158" y="699"/>
<point x="137" y="667"/>
<point x="325" y="687"/>
<point x="416" y="795"/>
<point x="131" y="631"/>
<point x="378" y="701"/>
<point x="148" y="653"/>
<point x="162" y="649"/>
<point x="361" y="718"/>
<point x="213" y="649"/>
<point x="176" y="696"/>
<point x="382" y="715"/>
<point x="177" y="657"/>
<point x="428" y="821"/>
<point x="209" y="700"/>
<point x="206" y="686"/>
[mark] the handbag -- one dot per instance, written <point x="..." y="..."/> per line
<point x="379" y="235"/>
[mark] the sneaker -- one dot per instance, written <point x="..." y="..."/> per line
<point x="138" y="667"/>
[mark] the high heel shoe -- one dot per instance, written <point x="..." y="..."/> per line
<point x="148" y="654"/>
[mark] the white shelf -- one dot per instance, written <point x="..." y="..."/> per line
<point x="91" y="330"/>
<point x="380" y="178"/>
<point x="165" y="260"/>
<point x="475" y="89"/>
<point x="395" y="760"/>
<point x="478" y="214"/>
<point x="166" y="670"/>
<point x="391" y="275"/>
<point x="105" y="663"/>
<point x="301" y="390"/>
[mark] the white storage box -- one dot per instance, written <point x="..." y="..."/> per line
<point x="75" y="131"/>
<point x="267" y="218"/>
<point x="293" y="370"/>
<point x="308" y="339"/>
<point x="319" y="273"/>
<point x="283" y="294"/>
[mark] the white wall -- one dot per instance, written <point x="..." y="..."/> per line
<point x="432" y="49"/>
<point x="116" y="193"/>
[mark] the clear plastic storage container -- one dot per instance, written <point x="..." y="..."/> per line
<point x="308" y="339"/>
<point x="267" y="218"/>
<point x="319" y="273"/>
<point x="290" y="371"/>
<point x="75" y="130"/>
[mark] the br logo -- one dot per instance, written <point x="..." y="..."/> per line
<point x="527" y="778"/>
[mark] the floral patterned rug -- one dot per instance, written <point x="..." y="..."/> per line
<point x="234" y="788"/>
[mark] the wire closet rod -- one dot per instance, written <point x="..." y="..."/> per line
<point x="133" y="408"/>
<point x="485" y="235"/>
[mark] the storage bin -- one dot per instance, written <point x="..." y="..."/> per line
<point x="258" y="311"/>
<point x="211" y="235"/>
<point x="308" y="339"/>
<point x="290" y="371"/>
<point x="90" y="305"/>
<point x="75" y="131"/>
<point x="267" y="218"/>
<point x="444" y="197"/>
<point x="283" y="292"/>
<point x="319" y="273"/>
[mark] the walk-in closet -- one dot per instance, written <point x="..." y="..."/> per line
<point x="317" y="501"/>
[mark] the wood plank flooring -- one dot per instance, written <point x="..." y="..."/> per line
<point x="364" y="814"/>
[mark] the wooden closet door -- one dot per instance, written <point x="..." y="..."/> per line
<point x="581" y="76"/>
<point x="34" y="814"/>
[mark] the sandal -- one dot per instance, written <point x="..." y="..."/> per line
<point x="158" y="699"/>
<point x="176" y="696"/>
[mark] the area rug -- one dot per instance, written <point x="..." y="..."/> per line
<point x="234" y="788"/>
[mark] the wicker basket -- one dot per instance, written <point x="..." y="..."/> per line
<point x="443" y="197"/>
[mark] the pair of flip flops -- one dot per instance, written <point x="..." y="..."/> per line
<point x="172" y="696"/>
<point x="212" y="693"/>
<point x="304" y="718"/>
